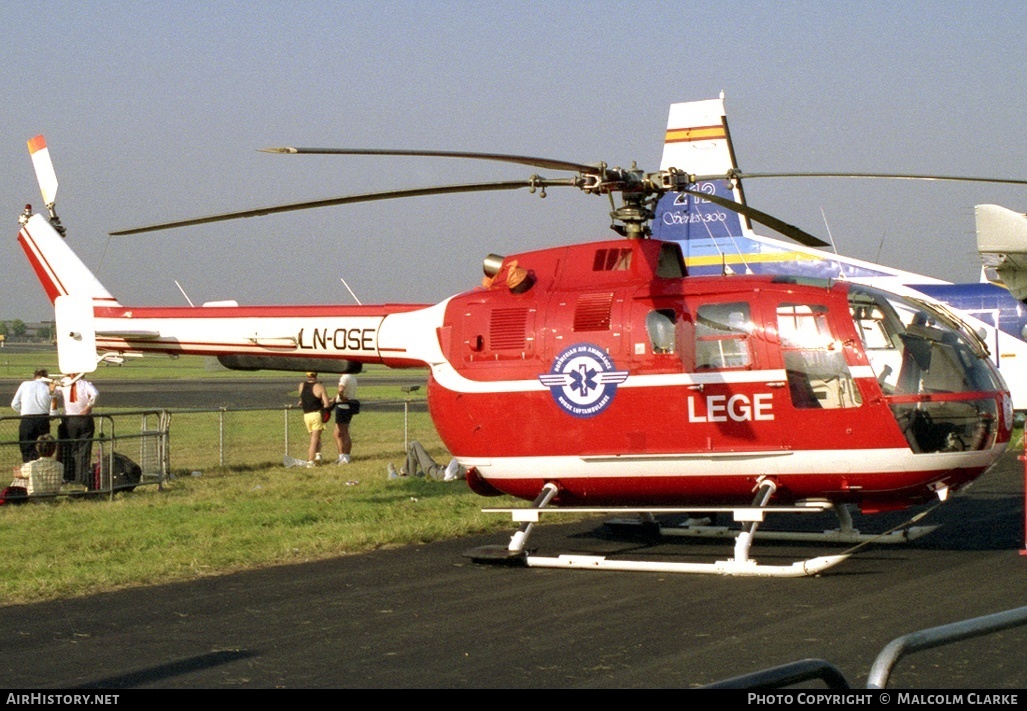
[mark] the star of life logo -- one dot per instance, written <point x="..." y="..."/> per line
<point x="583" y="380"/>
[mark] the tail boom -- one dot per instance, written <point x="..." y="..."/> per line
<point x="397" y="335"/>
<point x="361" y="334"/>
<point x="57" y="267"/>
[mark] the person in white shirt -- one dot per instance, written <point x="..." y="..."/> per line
<point x="34" y="402"/>
<point x="344" y="410"/>
<point x="77" y="427"/>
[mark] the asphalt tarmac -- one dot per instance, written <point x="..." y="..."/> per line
<point x="424" y="616"/>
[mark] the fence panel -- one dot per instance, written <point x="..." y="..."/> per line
<point x="197" y="440"/>
<point x="201" y="439"/>
<point x="121" y="442"/>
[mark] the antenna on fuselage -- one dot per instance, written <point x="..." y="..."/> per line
<point x="350" y="291"/>
<point x="877" y="258"/>
<point x="184" y="294"/>
<point x="841" y="269"/>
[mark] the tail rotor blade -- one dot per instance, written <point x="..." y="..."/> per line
<point x="45" y="174"/>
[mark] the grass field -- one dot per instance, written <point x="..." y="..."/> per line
<point x="252" y="513"/>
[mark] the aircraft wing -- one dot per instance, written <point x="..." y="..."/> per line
<point x="1002" y="242"/>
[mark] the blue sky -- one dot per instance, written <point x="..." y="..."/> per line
<point x="153" y="111"/>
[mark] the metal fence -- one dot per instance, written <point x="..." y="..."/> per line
<point x="258" y="437"/>
<point x="138" y="436"/>
<point x="163" y="441"/>
<point x="221" y="437"/>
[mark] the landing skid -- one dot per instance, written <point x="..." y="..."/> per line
<point x="845" y="534"/>
<point x="748" y="568"/>
<point x="741" y="565"/>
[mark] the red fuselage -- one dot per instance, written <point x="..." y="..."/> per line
<point x="723" y="380"/>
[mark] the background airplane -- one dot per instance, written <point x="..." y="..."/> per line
<point x="716" y="240"/>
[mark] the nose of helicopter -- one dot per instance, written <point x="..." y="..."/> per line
<point x="935" y="375"/>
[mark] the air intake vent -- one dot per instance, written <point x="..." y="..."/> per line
<point x="506" y="331"/>
<point x="592" y="312"/>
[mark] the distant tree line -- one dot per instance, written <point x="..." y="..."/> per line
<point x="16" y="329"/>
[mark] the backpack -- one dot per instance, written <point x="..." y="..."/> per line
<point x="126" y="473"/>
<point x="14" y="495"/>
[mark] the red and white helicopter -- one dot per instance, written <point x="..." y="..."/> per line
<point x="601" y="377"/>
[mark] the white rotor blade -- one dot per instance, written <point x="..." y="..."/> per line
<point x="45" y="174"/>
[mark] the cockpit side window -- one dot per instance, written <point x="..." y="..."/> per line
<point x="818" y="376"/>
<point x="722" y="334"/>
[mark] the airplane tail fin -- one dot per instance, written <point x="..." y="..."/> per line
<point x="57" y="267"/>
<point x="698" y="141"/>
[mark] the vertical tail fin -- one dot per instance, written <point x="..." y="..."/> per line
<point x="697" y="139"/>
<point x="714" y="240"/>
<point x="57" y="267"/>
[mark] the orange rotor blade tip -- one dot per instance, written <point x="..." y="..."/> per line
<point x="37" y="144"/>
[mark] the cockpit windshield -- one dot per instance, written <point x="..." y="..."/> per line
<point x="933" y="370"/>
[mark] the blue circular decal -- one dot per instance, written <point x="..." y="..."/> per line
<point x="583" y="380"/>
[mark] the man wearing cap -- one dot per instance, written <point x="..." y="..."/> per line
<point x="313" y="400"/>
<point x="34" y="402"/>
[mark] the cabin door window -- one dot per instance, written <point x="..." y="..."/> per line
<point x="722" y="336"/>
<point x="814" y="359"/>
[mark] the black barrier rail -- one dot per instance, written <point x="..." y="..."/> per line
<point x="818" y="669"/>
<point x="787" y="675"/>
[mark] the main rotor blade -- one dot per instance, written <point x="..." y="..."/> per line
<point x="545" y="163"/>
<point x="367" y="197"/>
<point x="799" y="235"/>
<point x="884" y="176"/>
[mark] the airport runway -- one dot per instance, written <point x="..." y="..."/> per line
<point x="422" y="616"/>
